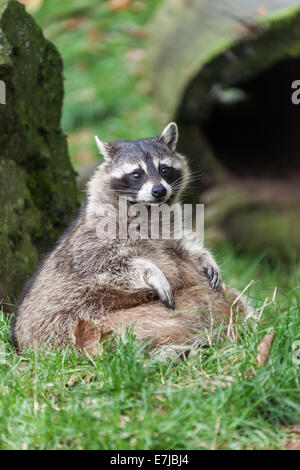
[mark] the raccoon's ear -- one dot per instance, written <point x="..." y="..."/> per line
<point x="104" y="148"/>
<point x="169" y="135"/>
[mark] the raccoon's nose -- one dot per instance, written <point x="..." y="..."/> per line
<point x="159" y="190"/>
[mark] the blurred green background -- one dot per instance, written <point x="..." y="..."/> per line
<point x="102" y="44"/>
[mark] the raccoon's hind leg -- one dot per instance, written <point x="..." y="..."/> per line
<point x="201" y="317"/>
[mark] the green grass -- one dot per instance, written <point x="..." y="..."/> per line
<point x="128" y="400"/>
<point x="106" y="86"/>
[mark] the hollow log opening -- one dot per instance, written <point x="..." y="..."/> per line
<point x="254" y="128"/>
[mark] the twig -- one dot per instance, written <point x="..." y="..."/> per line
<point x="266" y="304"/>
<point x="232" y="305"/>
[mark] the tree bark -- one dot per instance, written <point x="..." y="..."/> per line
<point x="37" y="183"/>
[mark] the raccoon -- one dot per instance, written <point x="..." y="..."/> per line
<point x="115" y="281"/>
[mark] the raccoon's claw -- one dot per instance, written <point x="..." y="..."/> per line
<point x="167" y="299"/>
<point x="156" y="279"/>
<point x="165" y="294"/>
<point x="214" y="276"/>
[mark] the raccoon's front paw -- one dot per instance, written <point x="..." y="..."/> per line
<point x="213" y="274"/>
<point x="211" y="270"/>
<point x="156" y="279"/>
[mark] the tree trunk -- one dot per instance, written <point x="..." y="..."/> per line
<point x="37" y="183"/>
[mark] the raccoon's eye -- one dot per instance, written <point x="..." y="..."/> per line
<point x="164" y="170"/>
<point x="136" y="175"/>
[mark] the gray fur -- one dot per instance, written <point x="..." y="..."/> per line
<point x="93" y="278"/>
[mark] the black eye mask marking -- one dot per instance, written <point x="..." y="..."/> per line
<point x="135" y="176"/>
<point x="172" y="175"/>
<point x="129" y="183"/>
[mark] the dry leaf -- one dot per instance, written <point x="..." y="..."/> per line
<point x="86" y="338"/>
<point x="264" y="349"/>
<point x="291" y="444"/>
<point x="295" y="429"/>
<point x="116" y="5"/>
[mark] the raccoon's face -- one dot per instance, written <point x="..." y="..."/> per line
<point x="147" y="171"/>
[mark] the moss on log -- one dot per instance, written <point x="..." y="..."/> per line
<point x="37" y="183"/>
